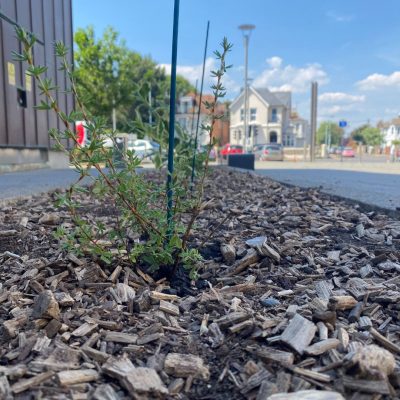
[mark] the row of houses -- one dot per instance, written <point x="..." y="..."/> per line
<point x="271" y="119"/>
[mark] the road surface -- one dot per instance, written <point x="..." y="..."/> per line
<point x="21" y="184"/>
<point x="377" y="189"/>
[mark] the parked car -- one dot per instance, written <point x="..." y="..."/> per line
<point x="258" y="147"/>
<point x="332" y="150"/>
<point x="204" y="149"/>
<point x="229" y="149"/>
<point x="339" y="150"/>
<point x="142" y="147"/>
<point x="348" y="152"/>
<point x="269" y="152"/>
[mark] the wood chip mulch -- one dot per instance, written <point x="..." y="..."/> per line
<point x="298" y="299"/>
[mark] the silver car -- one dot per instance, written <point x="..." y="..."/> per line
<point x="269" y="152"/>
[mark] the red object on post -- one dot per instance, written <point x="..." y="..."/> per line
<point x="80" y="133"/>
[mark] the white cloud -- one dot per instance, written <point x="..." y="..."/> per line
<point x="193" y="73"/>
<point x="274" y="62"/>
<point x="339" y="17"/>
<point x="340" y="97"/>
<point x="337" y="109"/>
<point x="379" y="81"/>
<point x="289" y="77"/>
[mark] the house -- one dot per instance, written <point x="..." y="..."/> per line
<point x="24" y="137"/>
<point x="268" y="119"/>
<point x="299" y="135"/>
<point x="390" y="130"/>
<point x="187" y="113"/>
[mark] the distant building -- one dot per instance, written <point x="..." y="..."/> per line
<point x="269" y="118"/>
<point x="187" y="113"/>
<point x="390" y="130"/>
<point x="24" y="134"/>
<point x="300" y="132"/>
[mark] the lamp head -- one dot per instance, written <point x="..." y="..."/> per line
<point x="246" y="27"/>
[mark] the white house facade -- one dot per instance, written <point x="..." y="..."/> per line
<point x="390" y="130"/>
<point x="300" y="133"/>
<point x="268" y="117"/>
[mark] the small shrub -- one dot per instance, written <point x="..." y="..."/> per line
<point x="140" y="229"/>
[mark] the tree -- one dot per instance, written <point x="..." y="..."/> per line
<point x="368" y="135"/>
<point x="332" y="130"/>
<point x="357" y="135"/>
<point x="109" y="74"/>
<point x="372" y="136"/>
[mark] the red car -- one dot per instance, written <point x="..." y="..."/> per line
<point x="231" y="149"/>
<point x="348" y="152"/>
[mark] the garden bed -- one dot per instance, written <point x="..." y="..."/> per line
<point x="301" y="307"/>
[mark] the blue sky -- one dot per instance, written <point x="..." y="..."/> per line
<point x="351" y="47"/>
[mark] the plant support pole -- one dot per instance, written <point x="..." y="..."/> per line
<point x="200" y="100"/>
<point x="193" y="111"/>
<point x="171" y="131"/>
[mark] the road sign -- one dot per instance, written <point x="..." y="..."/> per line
<point x="343" y="124"/>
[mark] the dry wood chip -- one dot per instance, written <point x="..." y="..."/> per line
<point x="67" y="378"/>
<point x="184" y="365"/>
<point x="270" y="354"/>
<point x="143" y="380"/>
<point x="85" y="329"/>
<point x="46" y="306"/>
<point x="321" y="347"/>
<point x="120" y="337"/>
<point x="365" y="385"/>
<point x="117" y="368"/>
<point x="26" y="384"/>
<point x="169" y="308"/>
<point x="299" y="333"/>
<point x="105" y="392"/>
<point x="307" y="395"/>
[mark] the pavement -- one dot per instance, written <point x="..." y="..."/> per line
<point x="369" y="183"/>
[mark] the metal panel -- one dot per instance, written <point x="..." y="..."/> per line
<point x="42" y="125"/>
<point x="3" y="125"/>
<point x="49" y="20"/>
<point x="24" y="20"/>
<point x="59" y="36"/>
<point x="68" y="41"/>
<point x="14" y="111"/>
<point x="48" y="14"/>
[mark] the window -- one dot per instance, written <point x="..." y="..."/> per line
<point x="273" y="137"/>
<point x="288" y="140"/>
<point x="274" y="115"/>
<point x="242" y="114"/>
<point x="182" y="123"/>
<point x="239" y="135"/>
<point x="185" y="107"/>
<point x="253" y="114"/>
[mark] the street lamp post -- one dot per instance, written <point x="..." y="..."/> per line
<point x="246" y="30"/>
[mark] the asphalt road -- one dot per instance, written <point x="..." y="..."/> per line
<point x="377" y="189"/>
<point x="21" y="184"/>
